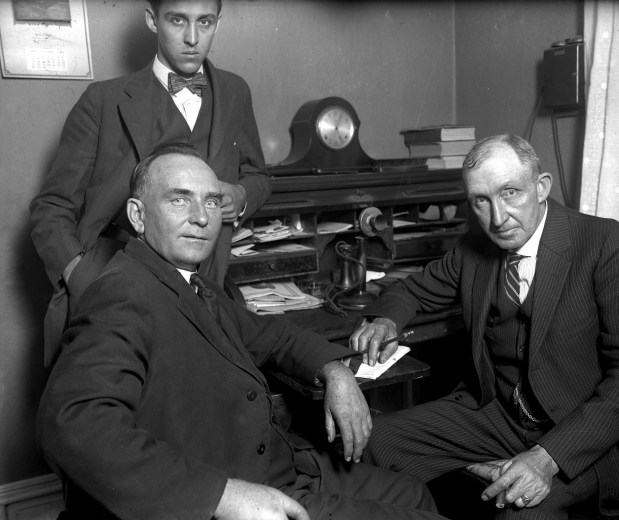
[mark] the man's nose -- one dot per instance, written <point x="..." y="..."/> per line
<point x="499" y="215"/>
<point x="199" y="215"/>
<point x="192" y="34"/>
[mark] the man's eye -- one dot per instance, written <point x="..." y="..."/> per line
<point x="212" y="204"/>
<point x="479" y="201"/>
<point x="207" y="22"/>
<point x="176" y="20"/>
<point x="178" y="201"/>
<point x="510" y="193"/>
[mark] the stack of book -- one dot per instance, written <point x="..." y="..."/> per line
<point x="442" y="147"/>
<point x="277" y="297"/>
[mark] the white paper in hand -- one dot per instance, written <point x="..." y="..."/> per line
<point x="367" y="372"/>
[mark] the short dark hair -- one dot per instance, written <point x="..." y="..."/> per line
<point x="140" y="180"/>
<point x="155" y="4"/>
<point x="485" y="149"/>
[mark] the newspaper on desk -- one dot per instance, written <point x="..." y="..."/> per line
<point x="367" y="372"/>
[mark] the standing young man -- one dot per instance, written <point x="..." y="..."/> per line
<point x="78" y="217"/>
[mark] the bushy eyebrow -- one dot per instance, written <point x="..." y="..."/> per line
<point x="174" y="14"/>
<point x="189" y="193"/>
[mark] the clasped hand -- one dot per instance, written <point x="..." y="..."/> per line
<point x="524" y="480"/>
<point x="233" y="201"/>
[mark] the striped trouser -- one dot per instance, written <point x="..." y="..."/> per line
<point x="435" y="438"/>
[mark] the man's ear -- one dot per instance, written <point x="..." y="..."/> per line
<point x="151" y="19"/>
<point x="218" y="22"/>
<point x="544" y="183"/>
<point x="135" y="214"/>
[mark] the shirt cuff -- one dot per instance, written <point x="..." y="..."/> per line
<point x="236" y="223"/>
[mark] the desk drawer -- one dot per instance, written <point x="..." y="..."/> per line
<point x="268" y="266"/>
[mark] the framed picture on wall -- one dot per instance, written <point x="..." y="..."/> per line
<point x="45" y="39"/>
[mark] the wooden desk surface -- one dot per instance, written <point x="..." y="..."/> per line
<point x="405" y="370"/>
<point x="338" y="329"/>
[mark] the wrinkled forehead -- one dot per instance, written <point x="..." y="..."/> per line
<point x="188" y="172"/>
<point x="499" y="158"/>
<point x="497" y="172"/>
<point x="498" y="152"/>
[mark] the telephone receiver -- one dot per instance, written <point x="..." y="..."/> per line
<point x="352" y="280"/>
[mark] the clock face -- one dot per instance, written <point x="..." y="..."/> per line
<point x="335" y="127"/>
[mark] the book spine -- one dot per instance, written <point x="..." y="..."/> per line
<point x="423" y="136"/>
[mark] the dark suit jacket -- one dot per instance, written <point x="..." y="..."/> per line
<point x="147" y="410"/>
<point x="573" y="362"/>
<point x="106" y="134"/>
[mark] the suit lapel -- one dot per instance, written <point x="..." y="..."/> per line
<point x="187" y="302"/>
<point x="221" y="106"/>
<point x="136" y="113"/>
<point x="484" y="285"/>
<point x="486" y="275"/>
<point x="136" y="110"/>
<point x="551" y="270"/>
<point x="221" y="337"/>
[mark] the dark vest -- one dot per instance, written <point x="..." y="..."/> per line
<point x="507" y="336"/>
<point x="169" y="126"/>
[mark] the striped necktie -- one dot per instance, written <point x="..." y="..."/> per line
<point x="512" y="278"/>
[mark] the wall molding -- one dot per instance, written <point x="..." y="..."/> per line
<point x="31" y="498"/>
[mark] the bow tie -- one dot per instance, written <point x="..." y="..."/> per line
<point x="196" y="83"/>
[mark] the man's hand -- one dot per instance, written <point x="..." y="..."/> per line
<point x="345" y="405"/>
<point x="246" y="501"/>
<point x="233" y="202"/>
<point x="525" y="480"/>
<point x="369" y="336"/>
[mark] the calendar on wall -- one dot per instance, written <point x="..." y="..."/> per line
<point x="45" y="39"/>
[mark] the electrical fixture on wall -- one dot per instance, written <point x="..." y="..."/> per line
<point x="564" y="74"/>
<point x="563" y="92"/>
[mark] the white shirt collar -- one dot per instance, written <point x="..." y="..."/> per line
<point x="532" y="245"/>
<point x="161" y="72"/>
<point x="186" y="274"/>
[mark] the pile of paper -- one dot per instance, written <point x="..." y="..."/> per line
<point x="240" y="234"/>
<point x="275" y="230"/>
<point x="244" y="250"/>
<point x="277" y="297"/>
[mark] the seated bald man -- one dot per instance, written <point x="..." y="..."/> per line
<point x="156" y="407"/>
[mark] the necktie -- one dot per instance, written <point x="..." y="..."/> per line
<point x="196" y="83"/>
<point x="512" y="278"/>
<point x="205" y="294"/>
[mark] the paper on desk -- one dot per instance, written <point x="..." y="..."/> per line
<point x="367" y="372"/>
<point x="244" y="250"/>
<point x="332" y="227"/>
